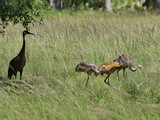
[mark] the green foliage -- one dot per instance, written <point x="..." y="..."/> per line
<point x="96" y="4"/>
<point x="24" y="12"/>
<point x="119" y="4"/>
<point x="149" y="4"/>
<point x="116" y="4"/>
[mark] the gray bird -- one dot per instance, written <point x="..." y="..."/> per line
<point x="88" y="68"/>
<point x="127" y="63"/>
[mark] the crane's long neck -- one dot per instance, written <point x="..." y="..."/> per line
<point x="123" y="59"/>
<point x="133" y="69"/>
<point x="97" y="72"/>
<point x="22" y="52"/>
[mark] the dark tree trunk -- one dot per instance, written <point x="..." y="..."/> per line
<point x="156" y="5"/>
<point x="58" y="5"/>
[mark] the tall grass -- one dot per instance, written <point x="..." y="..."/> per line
<point x="51" y="89"/>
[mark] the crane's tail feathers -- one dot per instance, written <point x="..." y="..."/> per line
<point x="11" y="71"/>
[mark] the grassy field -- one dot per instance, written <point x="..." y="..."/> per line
<point x="52" y="90"/>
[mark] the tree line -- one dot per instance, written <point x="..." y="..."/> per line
<point x="27" y="11"/>
<point x="105" y="4"/>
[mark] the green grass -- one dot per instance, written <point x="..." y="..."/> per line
<point x="50" y="87"/>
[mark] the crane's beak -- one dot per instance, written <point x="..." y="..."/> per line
<point x="30" y="33"/>
<point x="141" y="69"/>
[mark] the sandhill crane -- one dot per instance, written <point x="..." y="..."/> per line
<point x="18" y="62"/>
<point x="110" y="67"/>
<point x="88" y="68"/>
<point x="127" y="63"/>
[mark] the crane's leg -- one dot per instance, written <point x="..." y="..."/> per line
<point x="90" y="83"/>
<point x="9" y="77"/>
<point x="21" y="71"/>
<point x="87" y="80"/>
<point x="106" y="79"/>
<point x="15" y="74"/>
<point x="123" y="72"/>
<point x="118" y="74"/>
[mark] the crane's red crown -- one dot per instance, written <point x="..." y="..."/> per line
<point x="122" y="54"/>
<point x="25" y="31"/>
